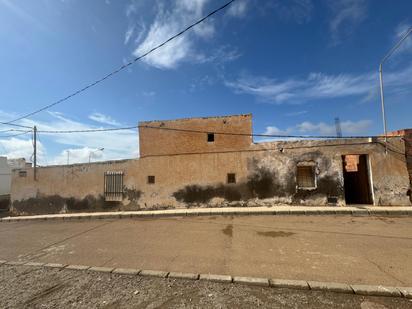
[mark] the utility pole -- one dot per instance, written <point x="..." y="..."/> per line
<point x="68" y="157"/>
<point x="35" y="152"/>
<point x="407" y="33"/>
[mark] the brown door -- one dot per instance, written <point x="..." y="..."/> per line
<point x="356" y="179"/>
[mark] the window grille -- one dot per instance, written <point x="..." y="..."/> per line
<point x="305" y="177"/>
<point x="113" y="186"/>
<point x="231" y="178"/>
<point x="151" y="179"/>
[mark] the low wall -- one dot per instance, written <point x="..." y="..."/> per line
<point x="265" y="175"/>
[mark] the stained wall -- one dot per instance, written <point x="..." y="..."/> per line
<point x="189" y="171"/>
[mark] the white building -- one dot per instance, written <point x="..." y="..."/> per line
<point x="6" y="166"/>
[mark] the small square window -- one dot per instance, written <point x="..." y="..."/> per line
<point x="231" y="178"/>
<point x="151" y="179"/>
<point x="305" y="177"/>
<point x="23" y="173"/>
<point x="210" y="137"/>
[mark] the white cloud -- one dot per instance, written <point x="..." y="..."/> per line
<point x="79" y="155"/>
<point x="400" y="31"/>
<point x="171" y="18"/>
<point x="317" y="86"/>
<point x="238" y="9"/>
<point x="272" y="130"/>
<point x="297" y="113"/>
<point x="348" y="127"/>
<point x="346" y="16"/>
<point x="220" y="55"/>
<point x="168" y="22"/>
<point x="132" y="8"/>
<point x="101" y="118"/>
<point x="128" y="34"/>
<point x="117" y="144"/>
<point x="322" y="128"/>
<point x="149" y="93"/>
<point x="19" y="147"/>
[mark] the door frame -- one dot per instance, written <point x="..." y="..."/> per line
<point x="368" y="166"/>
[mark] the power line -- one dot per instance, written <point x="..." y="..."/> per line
<point x="12" y="135"/>
<point x="11" y="130"/>
<point x="206" y="132"/>
<point x="124" y="66"/>
<point x="280" y="148"/>
<point x="14" y="124"/>
<point x="86" y="130"/>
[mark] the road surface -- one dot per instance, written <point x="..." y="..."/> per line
<point x="354" y="250"/>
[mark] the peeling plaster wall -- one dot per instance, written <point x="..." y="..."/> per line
<point x="265" y="175"/>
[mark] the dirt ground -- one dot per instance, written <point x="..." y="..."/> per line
<point x="23" y="287"/>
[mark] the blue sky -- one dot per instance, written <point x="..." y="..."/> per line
<point x="296" y="65"/>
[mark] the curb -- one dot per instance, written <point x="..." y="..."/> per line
<point x="293" y="210"/>
<point x="358" y="289"/>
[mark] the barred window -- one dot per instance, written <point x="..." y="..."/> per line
<point x="113" y="186"/>
<point x="305" y="176"/>
<point x="151" y="179"/>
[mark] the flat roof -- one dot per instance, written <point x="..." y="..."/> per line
<point x="200" y="118"/>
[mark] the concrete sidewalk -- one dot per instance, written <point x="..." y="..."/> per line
<point x="275" y="210"/>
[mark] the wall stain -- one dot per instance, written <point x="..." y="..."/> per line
<point x="263" y="183"/>
<point x="275" y="234"/>
<point x="328" y="185"/>
<point x="52" y="204"/>
<point x="228" y="230"/>
<point x="203" y="194"/>
<point x="132" y="194"/>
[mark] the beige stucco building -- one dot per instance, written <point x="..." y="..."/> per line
<point x="214" y="161"/>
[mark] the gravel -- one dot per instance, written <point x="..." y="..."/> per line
<point x="38" y="287"/>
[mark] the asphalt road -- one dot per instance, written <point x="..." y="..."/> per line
<point x="362" y="250"/>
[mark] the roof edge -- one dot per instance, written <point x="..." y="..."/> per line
<point x="191" y="118"/>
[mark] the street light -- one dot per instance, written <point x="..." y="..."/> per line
<point x="408" y="32"/>
<point x="91" y="152"/>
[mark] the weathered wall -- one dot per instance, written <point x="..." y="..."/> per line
<point x="265" y="174"/>
<point x="165" y="141"/>
<point x="406" y="135"/>
<point x="5" y="176"/>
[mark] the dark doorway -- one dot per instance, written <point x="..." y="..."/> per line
<point x="356" y="179"/>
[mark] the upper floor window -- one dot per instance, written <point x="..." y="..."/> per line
<point x="210" y="137"/>
<point x="231" y="178"/>
<point x="151" y="179"/>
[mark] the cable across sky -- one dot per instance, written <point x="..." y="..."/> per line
<point x="205" y="132"/>
<point x="121" y="68"/>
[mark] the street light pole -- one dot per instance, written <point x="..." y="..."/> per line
<point x="383" y="107"/>
<point x="91" y="152"/>
<point x="407" y="33"/>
